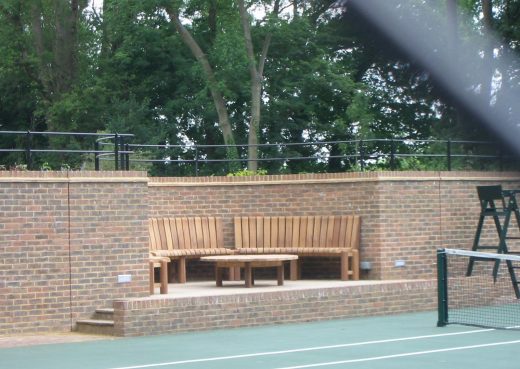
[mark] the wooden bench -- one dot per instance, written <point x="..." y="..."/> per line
<point x="302" y="236"/>
<point x="183" y="238"/>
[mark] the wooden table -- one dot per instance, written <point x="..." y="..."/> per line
<point x="248" y="262"/>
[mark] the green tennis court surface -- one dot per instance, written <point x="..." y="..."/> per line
<point x="402" y="341"/>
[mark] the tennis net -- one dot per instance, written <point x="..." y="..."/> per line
<point x="486" y="296"/>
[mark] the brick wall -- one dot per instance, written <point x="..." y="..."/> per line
<point x="405" y="215"/>
<point x="64" y="238"/>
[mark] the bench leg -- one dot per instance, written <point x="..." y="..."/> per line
<point x="355" y="264"/>
<point x="151" y="273"/>
<point x="293" y="270"/>
<point x="344" y="266"/>
<point x="218" y="275"/>
<point x="234" y="273"/>
<point x="182" y="270"/>
<point x="248" y="274"/>
<point x="164" y="277"/>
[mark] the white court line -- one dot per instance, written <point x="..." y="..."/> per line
<point x="269" y="353"/>
<point x="417" y="353"/>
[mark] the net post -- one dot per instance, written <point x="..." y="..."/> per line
<point x="442" y="289"/>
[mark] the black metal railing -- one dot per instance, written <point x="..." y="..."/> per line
<point x="114" y="151"/>
<point x="367" y="154"/>
<point x="32" y="150"/>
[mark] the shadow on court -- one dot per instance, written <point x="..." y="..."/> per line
<point x="401" y="341"/>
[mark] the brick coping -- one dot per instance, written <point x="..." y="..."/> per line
<point x="207" y="289"/>
<point x="73" y="176"/>
<point x="314" y="178"/>
<point x="349" y="177"/>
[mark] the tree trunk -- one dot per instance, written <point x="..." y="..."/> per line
<point x="218" y="99"/>
<point x="487" y="11"/>
<point x="44" y="72"/>
<point x="453" y="39"/>
<point x="57" y="73"/>
<point x="65" y="44"/>
<point x="256" y="73"/>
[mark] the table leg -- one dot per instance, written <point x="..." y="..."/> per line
<point x="280" y="273"/>
<point x="218" y="273"/>
<point x="248" y="275"/>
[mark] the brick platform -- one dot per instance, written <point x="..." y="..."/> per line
<point x="202" y="306"/>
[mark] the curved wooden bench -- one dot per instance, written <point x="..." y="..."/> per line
<point x="182" y="238"/>
<point x="302" y="236"/>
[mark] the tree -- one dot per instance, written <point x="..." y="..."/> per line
<point x="256" y="70"/>
<point x="218" y="99"/>
<point x="44" y="42"/>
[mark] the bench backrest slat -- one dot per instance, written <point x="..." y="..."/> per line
<point x="238" y="231"/>
<point x="298" y="231"/>
<point x="206" y="236"/>
<point x="161" y="232"/>
<point x="185" y="233"/>
<point x="154" y="243"/>
<point x="274" y="232"/>
<point x="260" y="230"/>
<point x="266" y="232"/>
<point x="177" y="235"/>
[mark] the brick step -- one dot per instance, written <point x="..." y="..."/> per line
<point x="95" y="326"/>
<point x="104" y="314"/>
<point x="101" y="322"/>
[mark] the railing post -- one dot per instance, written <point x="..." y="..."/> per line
<point x="196" y="161"/>
<point x="121" y="152"/>
<point x="449" y="154"/>
<point x="96" y="155"/>
<point x="127" y="157"/>
<point x="116" y="151"/>
<point x="28" y="152"/>
<point x="392" y="154"/>
<point x="361" y="155"/>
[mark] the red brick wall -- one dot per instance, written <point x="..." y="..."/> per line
<point x="405" y="215"/>
<point x="64" y="238"/>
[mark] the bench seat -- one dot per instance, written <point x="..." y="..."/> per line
<point x="293" y="250"/>
<point x="194" y="252"/>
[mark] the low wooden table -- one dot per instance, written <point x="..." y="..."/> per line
<point x="248" y="262"/>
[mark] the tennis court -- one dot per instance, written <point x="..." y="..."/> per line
<point x="402" y="341"/>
